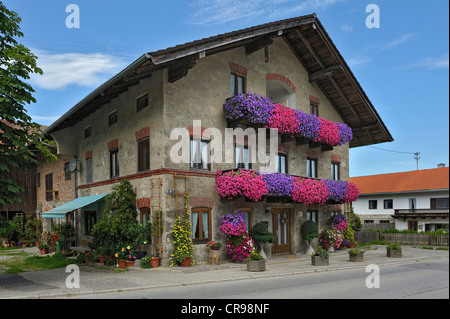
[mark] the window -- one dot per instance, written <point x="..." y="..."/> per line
<point x="89" y="172"/>
<point x="199" y="154"/>
<point x="241" y="157"/>
<point x="67" y="173"/>
<point x="373" y="204"/>
<point x="237" y="84"/>
<point x="412" y="204"/>
<point x="312" y="215"/>
<point x="90" y="219"/>
<point x="144" y="155"/>
<point x="335" y="171"/>
<point x="281" y="162"/>
<point x="87" y="132"/>
<point x="114" y="163"/>
<point x="201" y="225"/>
<point x="441" y="202"/>
<point x="144" y="215"/>
<point x="314" y="109"/>
<point x="368" y="221"/>
<point x="141" y="102"/>
<point x="112" y="118"/>
<point x="248" y="218"/>
<point x="49" y="187"/>
<point x="311" y="167"/>
<point x="388" y="203"/>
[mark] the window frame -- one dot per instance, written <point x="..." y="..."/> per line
<point x="145" y="104"/>
<point x="112" y="118"/>
<point x="88" y="226"/>
<point x="88" y="132"/>
<point x="243" y="148"/>
<point x="203" y="144"/>
<point x="309" y="161"/>
<point x="372" y="202"/>
<point x="89" y="171"/>
<point x="200" y="211"/>
<point x="143" y="156"/>
<point x="114" y="169"/>
<point x="234" y="87"/>
<point x="314" y="109"/>
<point x="335" y="170"/>
<point x="313" y="215"/>
<point x="386" y="203"/>
<point x="278" y="168"/>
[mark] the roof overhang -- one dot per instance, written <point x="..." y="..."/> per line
<point x="307" y="39"/>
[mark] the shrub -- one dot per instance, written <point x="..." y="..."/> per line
<point x="261" y="234"/>
<point x="394" y="246"/>
<point x="309" y="230"/>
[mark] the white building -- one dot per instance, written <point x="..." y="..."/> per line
<point x="416" y="200"/>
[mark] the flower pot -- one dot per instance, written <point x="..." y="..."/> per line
<point x="256" y="265"/>
<point x="130" y="263"/>
<point x="43" y="251"/>
<point x="186" y="262"/>
<point x="122" y="264"/>
<point x="394" y="253"/>
<point x="155" y="262"/>
<point x="358" y="257"/>
<point x="101" y="258"/>
<point x="319" y="261"/>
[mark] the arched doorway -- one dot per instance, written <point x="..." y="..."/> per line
<point x="280" y="90"/>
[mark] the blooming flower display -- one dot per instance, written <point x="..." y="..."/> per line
<point x="233" y="224"/>
<point x="255" y="108"/>
<point x="258" y="109"/>
<point x="254" y="185"/>
<point x="238" y="242"/>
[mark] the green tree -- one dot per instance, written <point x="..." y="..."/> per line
<point x="19" y="136"/>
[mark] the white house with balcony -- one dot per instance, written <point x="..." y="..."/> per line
<point x="417" y="200"/>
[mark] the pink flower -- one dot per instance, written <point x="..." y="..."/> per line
<point x="309" y="191"/>
<point x="328" y="132"/>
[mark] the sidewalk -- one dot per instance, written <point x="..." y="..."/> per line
<point x="51" y="283"/>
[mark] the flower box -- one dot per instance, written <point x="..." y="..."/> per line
<point x="394" y="253"/>
<point x="256" y="265"/>
<point x="358" y="257"/>
<point x="320" y="261"/>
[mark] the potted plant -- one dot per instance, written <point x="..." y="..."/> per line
<point x="183" y="248"/>
<point x="43" y="249"/>
<point x="155" y="231"/>
<point x="256" y="262"/>
<point x="356" y="254"/>
<point x="394" y="250"/>
<point x="121" y="256"/>
<point x="145" y="262"/>
<point x="130" y="256"/>
<point x="320" y="257"/>
<point x="261" y="236"/>
<point x="309" y="231"/>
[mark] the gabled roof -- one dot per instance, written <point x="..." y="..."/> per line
<point x="307" y="39"/>
<point x="420" y="180"/>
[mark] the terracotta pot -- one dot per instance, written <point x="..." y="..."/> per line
<point x="130" y="263"/>
<point x="101" y="258"/>
<point x="187" y="262"/>
<point x="122" y="264"/>
<point x="155" y="262"/>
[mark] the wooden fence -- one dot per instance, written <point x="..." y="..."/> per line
<point x="364" y="237"/>
<point x="415" y="239"/>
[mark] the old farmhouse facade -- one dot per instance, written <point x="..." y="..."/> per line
<point x="122" y="130"/>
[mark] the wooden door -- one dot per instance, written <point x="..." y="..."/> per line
<point x="281" y="230"/>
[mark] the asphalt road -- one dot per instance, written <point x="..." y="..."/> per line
<point x="421" y="280"/>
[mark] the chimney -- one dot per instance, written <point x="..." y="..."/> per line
<point x="440" y="165"/>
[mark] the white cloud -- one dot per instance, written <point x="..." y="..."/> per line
<point x="224" y="11"/>
<point x="432" y="63"/>
<point x="397" y="41"/>
<point x="357" y="61"/>
<point x="82" y="69"/>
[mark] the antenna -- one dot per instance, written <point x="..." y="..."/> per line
<point x="416" y="157"/>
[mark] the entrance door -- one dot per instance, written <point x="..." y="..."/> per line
<point x="281" y="230"/>
<point x="412" y="224"/>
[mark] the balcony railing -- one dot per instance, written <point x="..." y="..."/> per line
<point x="432" y="212"/>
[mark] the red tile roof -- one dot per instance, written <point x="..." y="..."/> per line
<point x="427" y="179"/>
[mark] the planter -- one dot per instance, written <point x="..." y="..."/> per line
<point x="122" y="264"/>
<point x="256" y="265"/>
<point x="155" y="262"/>
<point x="101" y="258"/>
<point x="186" y="262"/>
<point x="43" y="251"/>
<point x="130" y="263"/>
<point x="319" y="261"/>
<point x="358" y="257"/>
<point x="394" y="253"/>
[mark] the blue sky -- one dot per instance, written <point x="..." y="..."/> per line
<point x="403" y="66"/>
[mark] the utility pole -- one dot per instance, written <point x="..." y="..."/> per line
<point x="416" y="157"/>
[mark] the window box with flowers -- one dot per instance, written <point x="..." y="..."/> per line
<point x="256" y="262"/>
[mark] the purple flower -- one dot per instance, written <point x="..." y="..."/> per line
<point x="279" y="184"/>
<point x="255" y="108"/>
<point x="345" y="133"/>
<point x="309" y="125"/>
<point x="336" y="191"/>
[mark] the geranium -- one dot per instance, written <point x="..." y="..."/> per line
<point x="330" y="238"/>
<point x="255" y="108"/>
<point x="309" y="191"/>
<point x="284" y="119"/>
<point x="243" y="182"/>
<point x="239" y="247"/>
<point x="352" y="193"/>
<point x="233" y="224"/>
<point x="278" y="184"/>
<point x="328" y="133"/>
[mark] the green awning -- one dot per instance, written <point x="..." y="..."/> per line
<point x="61" y="211"/>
